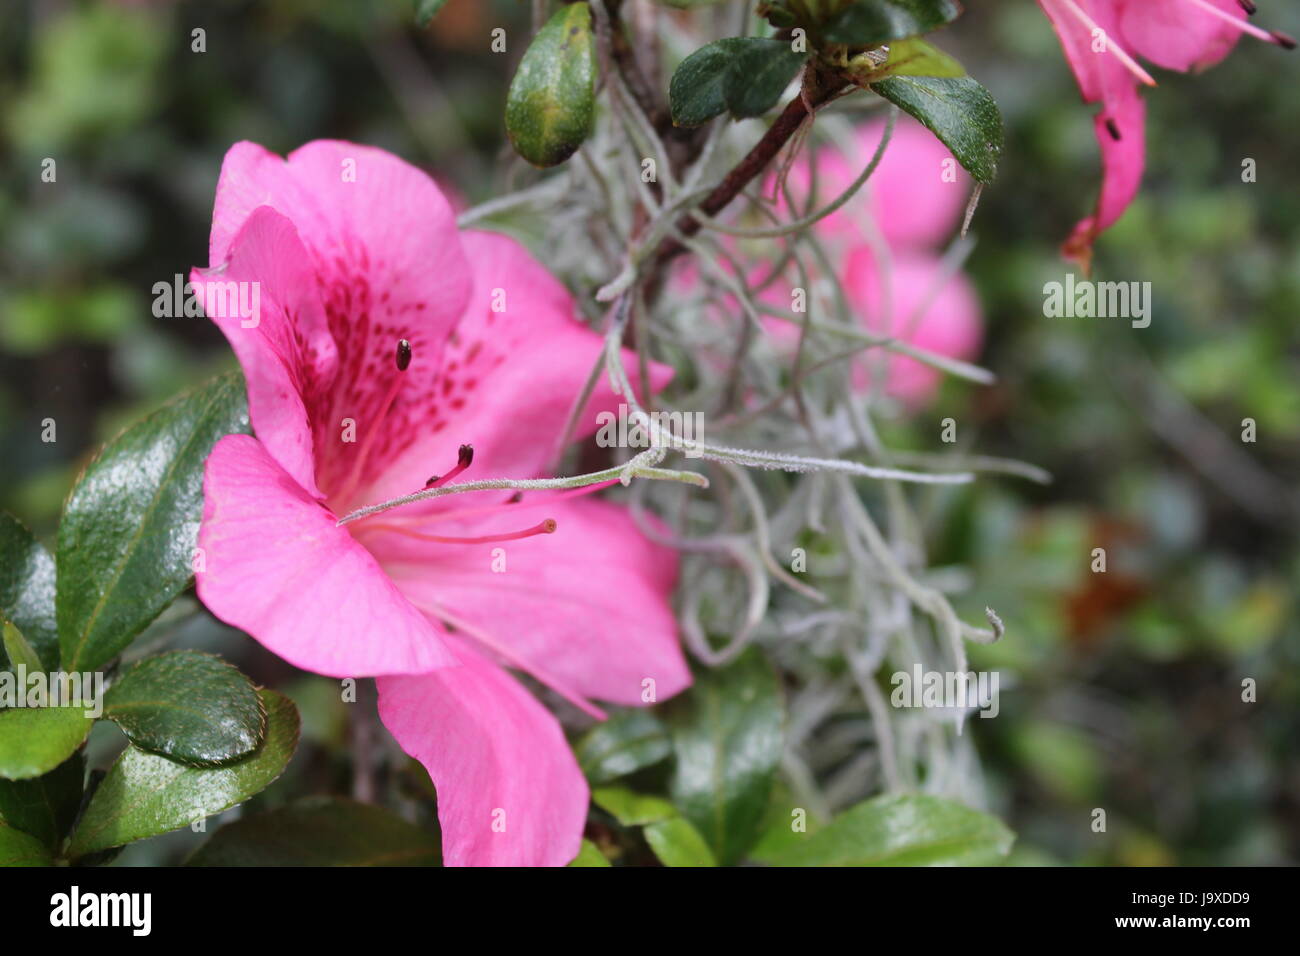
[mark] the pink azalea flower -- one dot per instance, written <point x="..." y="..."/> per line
<point x="919" y="305"/>
<point x="1100" y="39"/>
<point x="387" y="343"/>
<point x="915" y="197"/>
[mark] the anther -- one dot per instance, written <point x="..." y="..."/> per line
<point x="1113" y="128"/>
<point x="1248" y="6"/>
<point x="403" y="355"/>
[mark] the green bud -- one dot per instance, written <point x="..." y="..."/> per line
<point x="550" y="107"/>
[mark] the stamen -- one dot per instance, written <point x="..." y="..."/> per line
<point x="1242" y="25"/>
<point x="464" y="458"/>
<point x="547" y="526"/>
<point x="402" y="359"/>
<point x="513" y="504"/>
<point x="1113" y="128"/>
<point x="1128" y="62"/>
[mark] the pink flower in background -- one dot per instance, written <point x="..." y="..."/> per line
<point x="913" y="198"/>
<point x="1100" y="39"/>
<point x="387" y="343"/>
<point x="911" y="204"/>
<point x="919" y="304"/>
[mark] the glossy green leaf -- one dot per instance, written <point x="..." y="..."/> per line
<point x="426" y="10"/>
<point x="127" y="537"/>
<point x="188" y="706"/>
<point x="677" y="843"/>
<point x="144" y="794"/>
<point x="632" y="809"/>
<point x="758" y="74"/>
<point x="589" y="855"/>
<point x="695" y="91"/>
<point x="45" y="806"/>
<point x="904" y="830"/>
<point x="551" y="104"/>
<point x="916" y="57"/>
<point x="627" y="742"/>
<point x="957" y="110"/>
<point x="870" y="23"/>
<point x="321" y="831"/>
<point x="727" y="735"/>
<point x="27" y="579"/>
<point x="22" y="849"/>
<point x="35" y="740"/>
<point x="745" y="75"/>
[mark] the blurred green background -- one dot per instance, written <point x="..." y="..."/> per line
<point x="1121" y="691"/>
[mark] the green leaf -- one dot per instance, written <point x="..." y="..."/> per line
<point x="144" y="794"/>
<point x="904" y="830"/>
<point x="695" y="91"/>
<point x="627" y="742"/>
<point x="743" y="74"/>
<point x="672" y="837"/>
<point x="45" y="806"/>
<point x="35" y="740"/>
<point x="778" y="831"/>
<point x="632" y="809"/>
<point x="957" y="110"/>
<point x="589" y="855"/>
<point x="188" y="706"/>
<point x="727" y="735"/>
<point x="916" y="57"/>
<point x="21" y="654"/>
<point x="22" y="849"/>
<point x="870" y="23"/>
<point x="426" y="10"/>
<point x="758" y="74"/>
<point x="128" y="533"/>
<point x="27" y="580"/>
<point x="321" y="831"/>
<point x="551" y="104"/>
<point x="677" y="843"/>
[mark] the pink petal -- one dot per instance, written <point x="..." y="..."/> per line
<point x="1120" y="125"/>
<point x="510" y="376"/>
<point x="1123" y="162"/>
<point x="1098" y="73"/>
<point x="509" y="789"/>
<point x="951" y="325"/>
<point x="277" y="566"/>
<point x="1177" y="35"/>
<point x="285" y="348"/>
<point x="919" y="190"/>
<point x="389" y="265"/>
<point x="586" y="608"/>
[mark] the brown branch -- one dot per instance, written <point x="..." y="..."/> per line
<point x="816" y="91"/>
